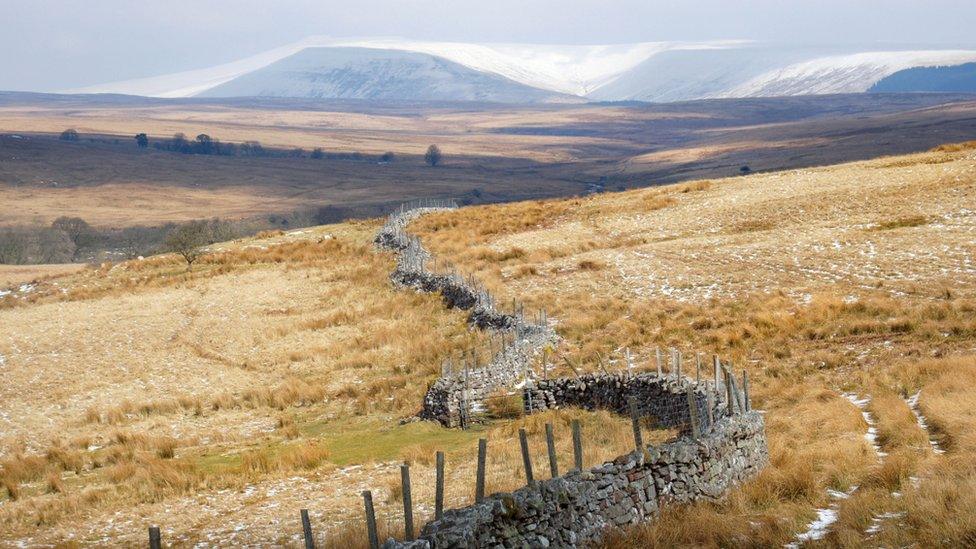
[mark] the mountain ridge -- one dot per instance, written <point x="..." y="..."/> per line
<point x="527" y="73"/>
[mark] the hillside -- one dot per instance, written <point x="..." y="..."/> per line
<point x="276" y="374"/>
<point x="360" y="73"/>
<point x="846" y="282"/>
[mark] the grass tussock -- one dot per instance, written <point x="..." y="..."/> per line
<point x="298" y="456"/>
<point x="955" y="147"/>
<point x="901" y="222"/>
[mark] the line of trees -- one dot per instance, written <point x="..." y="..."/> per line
<point x="204" y="144"/>
<point x="71" y="239"/>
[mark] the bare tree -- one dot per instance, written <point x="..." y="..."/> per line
<point x="13" y="247"/>
<point x="188" y="240"/>
<point x="78" y="230"/>
<point x="433" y="155"/>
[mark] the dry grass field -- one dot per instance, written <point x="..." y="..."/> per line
<point x="849" y="282"/>
<point x="276" y="374"/>
<point x="15" y="275"/>
<point x="218" y="402"/>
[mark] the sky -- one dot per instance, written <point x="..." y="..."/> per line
<point x="52" y="45"/>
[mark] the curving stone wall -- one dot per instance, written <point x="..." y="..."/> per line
<point x="577" y="508"/>
<point x="456" y="397"/>
<point x="661" y="397"/>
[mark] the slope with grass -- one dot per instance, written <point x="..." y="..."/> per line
<point x="217" y="402"/>
<point x="857" y="278"/>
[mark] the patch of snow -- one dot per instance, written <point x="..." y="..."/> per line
<point x="825" y="518"/>
<point x="912" y="402"/>
<point x="872" y="434"/>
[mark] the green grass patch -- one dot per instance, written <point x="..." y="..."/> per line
<point x="360" y="441"/>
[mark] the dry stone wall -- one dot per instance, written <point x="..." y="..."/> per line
<point x="661" y="397"/>
<point x="721" y="443"/>
<point x="457" y="397"/>
<point x="578" y="508"/>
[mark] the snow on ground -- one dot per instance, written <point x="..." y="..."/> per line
<point x="876" y="522"/>
<point x="825" y="518"/>
<point x="828" y="516"/>
<point x="872" y="433"/>
<point x="912" y="402"/>
<point x="853" y="73"/>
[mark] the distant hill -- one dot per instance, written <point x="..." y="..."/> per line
<point x="364" y="73"/>
<point x="959" y="78"/>
<point x="405" y="70"/>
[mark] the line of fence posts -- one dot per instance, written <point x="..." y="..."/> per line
<point x="736" y="402"/>
<point x="371" y="529"/>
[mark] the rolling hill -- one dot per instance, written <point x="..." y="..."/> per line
<point x="406" y="70"/>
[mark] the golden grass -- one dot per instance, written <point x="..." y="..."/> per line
<point x="15" y="275"/>
<point x="226" y="405"/>
<point x="777" y="273"/>
<point x="323" y="359"/>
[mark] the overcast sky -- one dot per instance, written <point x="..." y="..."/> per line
<point x="50" y="45"/>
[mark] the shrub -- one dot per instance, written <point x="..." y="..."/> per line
<point x="433" y="155"/>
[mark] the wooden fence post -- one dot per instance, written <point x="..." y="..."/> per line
<point x="307" y="530"/>
<point x="716" y="363"/>
<point x="729" y="393"/>
<point x="374" y="539"/>
<point x="407" y="502"/>
<point x="745" y="391"/>
<point x="697" y="367"/>
<point x="464" y="408"/>
<point x="577" y="446"/>
<point x="693" y="413"/>
<point x="657" y="357"/>
<point x="479" y="486"/>
<point x="545" y="364"/>
<point x="551" y="445"/>
<point x="526" y="458"/>
<point x="155" y="541"/>
<point x="635" y="423"/>
<point x="439" y="487"/>
<point x="676" y="363"/>
<point x="710" y="402"/>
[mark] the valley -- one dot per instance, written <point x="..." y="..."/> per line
<point x="493" y="153"/>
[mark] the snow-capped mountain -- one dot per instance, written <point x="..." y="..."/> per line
<point x="392" y="69"/>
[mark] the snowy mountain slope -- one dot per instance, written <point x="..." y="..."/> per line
<point x="683" y="74"/>
<point x="363" y="73"/>
<point x="567" y="69"/>
<point x="853" y="73"/>
<point x="645" y="71"/>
